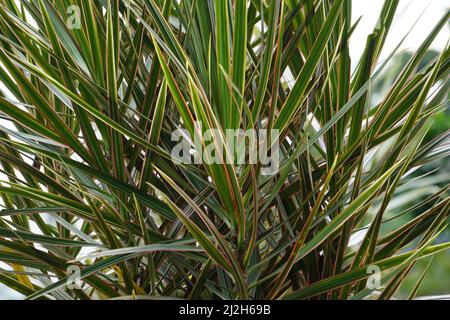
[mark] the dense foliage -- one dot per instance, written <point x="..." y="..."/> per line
<point x="92" y="91"/>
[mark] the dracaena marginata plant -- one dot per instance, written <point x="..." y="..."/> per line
<point x="95" y="207"/>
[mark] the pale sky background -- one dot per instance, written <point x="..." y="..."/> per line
<point x="407" y="14"/>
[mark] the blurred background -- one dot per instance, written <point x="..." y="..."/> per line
<point x="416" y="17"/>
